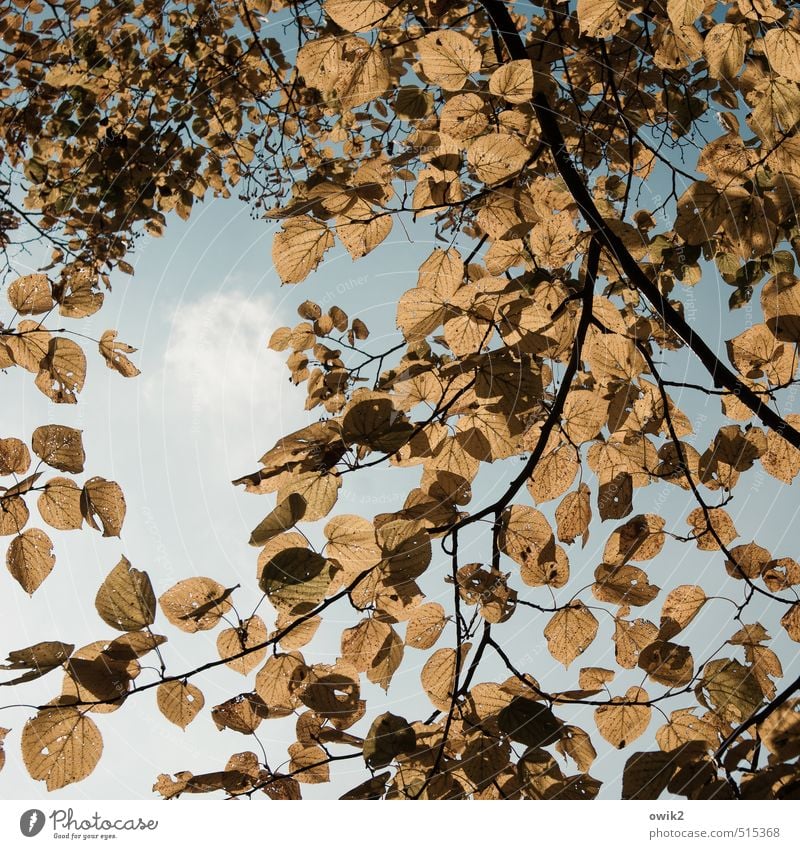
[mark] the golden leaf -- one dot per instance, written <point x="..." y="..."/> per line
<point x="60" y="504"/>
<point x="361" y="644"/>
<point x="352" y="543"/>
<point x="425" y="625"/>
<point x="296" y="579"/>
<point x="232" y="641"/>
<point x="298" y="249"/>
<point x="287" y="514"/>
<point x="448" y="58"/>
<point x="195" y="604"/>
<point x="683" y="727"/>
<point x="679" y="608"/>
<point x="179" y="701"/>
<point x="105" y="500"/>
<point x="60" y="447"/>
<point x="30" y="559"/>
<point x="274" y="682"/>
<point x="624" y="585"/>
<point x="439" y="675"/>
<point x="724" y="49"/>
<point x="495" y="157"/>
<point x="29" y="345"/>
<point x="577" y="744"/>
<point x="719" y="520"/>
<point x="630" y="638"/>
<point x="31" y="294"/>
<point x="60" y="746"/>
<point x="732" y="689"/>
<point x="319" y="490"/>
<point x="513" y="81"/>
<point x="309" y="764"/>
<point x="464" y="116"/>
<point x="113" y="353"/>
<point x="356" y="17"/>
<point x="15" y="459"/>
<point x="242" y="713"/>
<point x="667" y="663"/>
<point x="125" y="600"/>
<point x="570" y="632"/>
<point x="14" y="515"/>
<point x="602" y="18"/>
<point x="791" y="622"/>
<point x="62" y="371"/>
<point x="782" y="460"/>
<point x="782" y="46"/>
<point x="620" y="723"/>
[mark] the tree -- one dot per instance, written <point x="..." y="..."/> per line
<point x="549" y="328"/>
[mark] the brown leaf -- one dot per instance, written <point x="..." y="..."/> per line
<point x="570" y="632"/>
<point x="286" y="515"/>
<point x="448" y="58"/>
<point x="60" y="504"/>
<point x="298" y="249"/>
<point x="30" y="559"/>
<point x="573" y="515"/>
<point x="114" y="352"/>
<point x="425" y="625"/>
<point x="679" y="608"/>
<point x="620" y="722"/>
<point x="31" y="294"/>
<point x="62" y="371"/>
<point x="296" y="580"/>
<point x="60" y="447"/>
<point x="667" y="663"/>
<point x="105" y="500"/>
<point x="242" y="713"/>
<point x="60" y="746"/>
<point x="232" y="641"/>
<point x="195" y="604"/>
<point x="179" y="701"/>
<point x="125" y="600"/>
<point x="15" y="459"/>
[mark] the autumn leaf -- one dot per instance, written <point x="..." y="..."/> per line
<point x="30" y="559"/>
<point x="179" y="701"/>
<point x="570" y="632"/>
<point x="125" y="600"/>
<point x="60" y="746"/>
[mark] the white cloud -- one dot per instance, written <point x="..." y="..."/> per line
<point x="220" y="380"/>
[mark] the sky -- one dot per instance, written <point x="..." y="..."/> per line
<point x="210" y="400"/>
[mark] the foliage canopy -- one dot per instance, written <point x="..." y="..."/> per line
<point x="549" y="328"/>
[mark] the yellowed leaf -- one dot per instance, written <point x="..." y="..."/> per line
<point x="31" y="294"/>
<point x="60" y="504"/>
<point x="103" y="499"/>
<point x="298" y="249"/>
<point x="782" y="46"/>
<point x="125" y="600"/>
<point x="179" y="701"/>
<point x="30" y="559"/>
<point x="513" y="81"/>
<point x="60" y="746"/>
<point x="195" y="604"/>
<point x="62" y="371"/>
<point x="620" y="723"/>
<point x="114" y="352"/>
<point x="570" y="632"/>
<point x="15" y="459"/>
<point x="60" y="447"/>
<point x="495" y="157"/>
<point x="425" y="625"/>
<point x="448" y="58"/>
